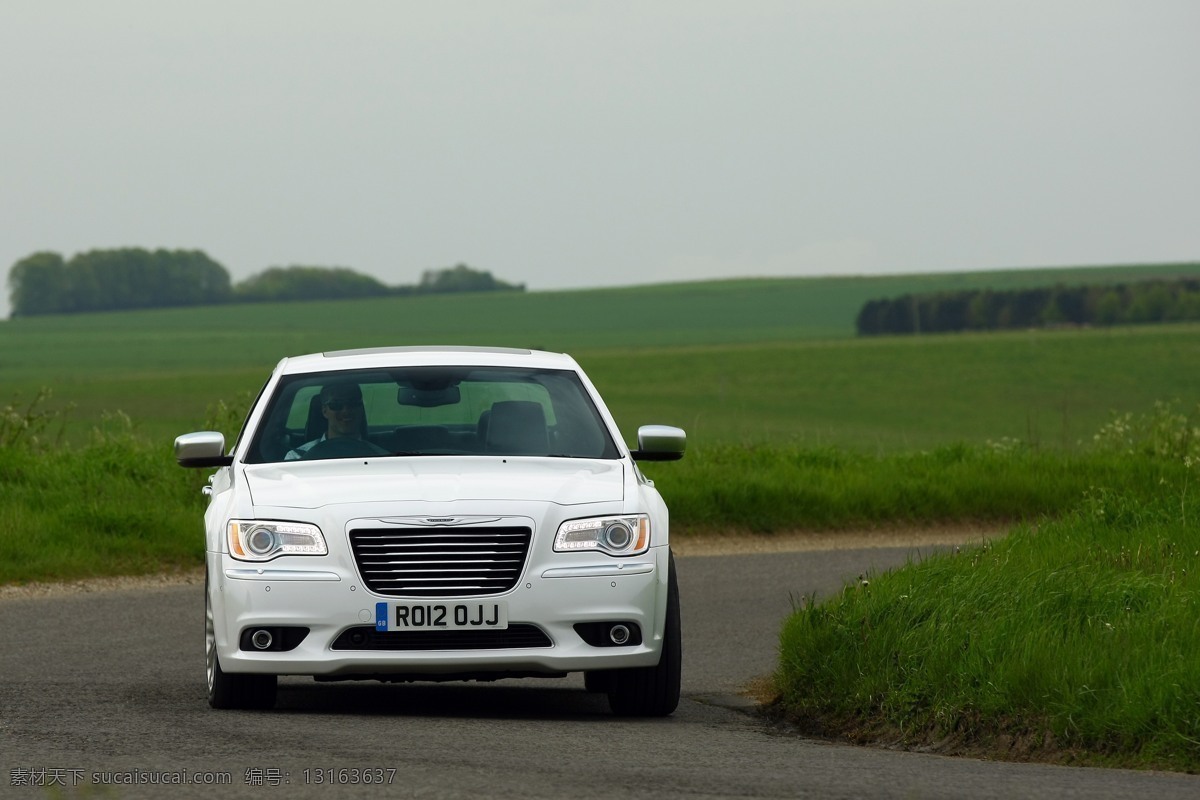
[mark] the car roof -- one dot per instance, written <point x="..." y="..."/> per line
<point x="420" y="356"/>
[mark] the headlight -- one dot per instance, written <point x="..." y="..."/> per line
<point x="251" y="540"/>
<point x="617" y="536"/>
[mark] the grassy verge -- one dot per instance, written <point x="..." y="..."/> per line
<point x="764" y="489"/>
<point x="113" y="508"/>
<point x="115" y="505"/>
<point x="1071" y="640"/>
<point x="119" y="505"/>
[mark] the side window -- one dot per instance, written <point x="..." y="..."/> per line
<point x="298" y="414"/>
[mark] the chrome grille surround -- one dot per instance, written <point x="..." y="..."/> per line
<point x="436" y="561"/>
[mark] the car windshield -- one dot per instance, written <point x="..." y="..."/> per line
<point x="430" y="411"/>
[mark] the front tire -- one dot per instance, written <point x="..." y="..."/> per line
<point x="232" y="691"/>
<point x="653" y="691"/>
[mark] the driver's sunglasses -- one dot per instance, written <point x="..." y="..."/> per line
<point x="338" y="405"/>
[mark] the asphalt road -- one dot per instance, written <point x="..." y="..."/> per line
<point x="104" y="687"/>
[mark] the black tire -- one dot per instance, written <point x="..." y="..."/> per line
<point x="653" y="691"/>
<point x="597" y="681"/>
<point x="232" y="691"/>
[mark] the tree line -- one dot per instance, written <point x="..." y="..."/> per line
<point x="987" y="309"/>
<point x="101" y="280"/>
<point x="131" y="278"/>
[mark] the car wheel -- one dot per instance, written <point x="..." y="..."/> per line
<point x="653" y="691"/>
<point x="232" y="691"/>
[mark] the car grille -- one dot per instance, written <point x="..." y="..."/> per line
<point x="367" y="638"/>
<point x="440" y="562"/>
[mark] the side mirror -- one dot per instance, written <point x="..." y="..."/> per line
<point x="203" y="449"/>
<point x="660" y="443"/>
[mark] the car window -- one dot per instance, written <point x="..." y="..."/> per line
<point x="434" y="411"/>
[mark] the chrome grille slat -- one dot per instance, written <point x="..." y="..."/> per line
<point x="410" y="558"/>
<point x="461" y="567"/>
<point x="424" y="541"/>
<point x="450" y="562"/>
<point x="414" y="580"/>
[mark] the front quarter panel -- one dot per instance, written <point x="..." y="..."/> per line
<point x="220" y="509"/>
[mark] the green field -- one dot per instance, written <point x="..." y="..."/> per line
<point x="731" y="361"/>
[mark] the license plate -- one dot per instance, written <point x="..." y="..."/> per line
<point x="440" y="616"/>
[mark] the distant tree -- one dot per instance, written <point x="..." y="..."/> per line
<point x="949" y="311"/>
<point x="38" y="284"/>
<point x="1187" y="305"/>
<point x="986" y="310"/>
<point x="308" y="283"/>
<point x="1151" y="303"/>
<point x="103" y="280"/>
<point x="900" y="316"/>
<point x="1147" y="301"/>
<point x="1108" y="308"/>
<point x="1026" y="307"/>
<point x="870" y="318"/>
<point x="1070" y="304"/>
<point x="461" y="278"/>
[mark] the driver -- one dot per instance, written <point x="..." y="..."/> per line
<point x="342" y="407"/>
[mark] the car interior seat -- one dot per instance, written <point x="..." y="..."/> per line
<point x="517" y="427"/>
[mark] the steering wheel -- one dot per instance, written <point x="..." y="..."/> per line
<point x="341" y="447"/>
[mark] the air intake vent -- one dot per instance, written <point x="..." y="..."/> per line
<point x="514" y="636"/>
<point x="440" y="562"/>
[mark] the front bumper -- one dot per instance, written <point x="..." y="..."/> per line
<point x="329" y="600"/>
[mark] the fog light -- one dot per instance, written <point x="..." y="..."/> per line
<point x="618" y="634"/>
<point x="262" y="639"/>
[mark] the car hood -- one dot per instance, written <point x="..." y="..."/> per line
<point x="314" y="484"/>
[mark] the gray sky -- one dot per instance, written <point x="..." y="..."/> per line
<point x="571" y="144"/>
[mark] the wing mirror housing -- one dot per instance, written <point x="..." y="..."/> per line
<point x="660" y="443"/>
<point x="202" y="449"/>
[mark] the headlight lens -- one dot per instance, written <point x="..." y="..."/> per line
<point x="254" y="540"/>
<point x="617" y="536"/>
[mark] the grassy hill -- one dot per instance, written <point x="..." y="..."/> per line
<point x="736" y="360"/>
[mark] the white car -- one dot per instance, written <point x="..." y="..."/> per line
<point x="437" y="513"/>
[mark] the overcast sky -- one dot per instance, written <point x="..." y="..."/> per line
<point x="572" y="144"/>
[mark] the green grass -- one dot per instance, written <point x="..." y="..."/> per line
<point x="1072" y="640"/>
<point x="1049" y="388"/>
<point x="115" y="506"/>
<point x="742" y="360"/>
<point x="772" y="489"/>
